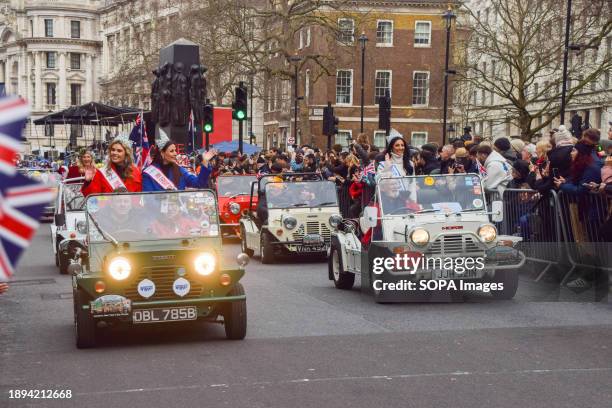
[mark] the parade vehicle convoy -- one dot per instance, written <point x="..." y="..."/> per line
<point x="443" y="220"/>
<point x="49" y="178"/>
<point x="301" y="208"/>
<point x="154" y="258"/>
<point x="233" y="193"/>
<point x="69" y="226"/>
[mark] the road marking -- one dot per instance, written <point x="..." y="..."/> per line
<point x="353" y="378"/>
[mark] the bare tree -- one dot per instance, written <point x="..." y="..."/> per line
<point x="515" y="53"/>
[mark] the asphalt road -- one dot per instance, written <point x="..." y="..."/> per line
<point x="311" y="345"/>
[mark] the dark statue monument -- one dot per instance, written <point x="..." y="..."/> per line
<point x="175" y="93"/>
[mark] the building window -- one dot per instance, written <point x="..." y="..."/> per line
<point x="380" y="139"/>
<point x="307" y="87"/>
<point x="418" y="139"/>
<point x="342" y="138"/>
<point x="48" y="28"/>
<point x="75" y="29"/>
<point x="420" y="88"/>
<point x="346" y="26"/>
<point x="301" y="39"/>
<point x="308" y="37"/>
<point x="384" y="33"/>
<point x="31" y="28"/>
<point x="50" y="59"/>
<point x="422" y="34"/>
<point x="344" y="87"/>
<point x="382" y="85"/>
<point x="75" y="60"/>
<point x="49" y="130"/>
<point x="75" y="131"/>
<point x="51" y="99"/>
<point x="75" y="94"/>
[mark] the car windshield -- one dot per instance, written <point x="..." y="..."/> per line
<point x="431" y="194"/>
<point x="235" y="185"/>
<point x="152" y="216"/>
<point x="73" y="198"/>
<point x="301" y="194"/>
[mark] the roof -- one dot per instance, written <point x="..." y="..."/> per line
<point x="92" y="113"/>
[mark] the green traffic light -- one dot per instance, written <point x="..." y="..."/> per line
<point x="208" y="128"/>
<point x="240" y="115"/>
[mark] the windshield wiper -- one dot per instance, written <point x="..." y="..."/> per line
<point x="429" y="210"/>
<point x="299" y="205"/>
<point x="105" y="234"/>
<point x="328" y="203"/>
<point x="466" y="210"/>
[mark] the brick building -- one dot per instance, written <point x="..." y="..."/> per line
<point x="404" y="54"/>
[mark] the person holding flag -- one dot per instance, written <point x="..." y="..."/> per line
<point x="140" y="141"/>
<point x="119" y="172"/>
<point x="165" y="174"/>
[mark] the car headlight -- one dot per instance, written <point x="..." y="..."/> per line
<point x="119" y="268"/>
<point x="289" y="222"/>
<point x="81" y="227"/>
<point x="487" y="233"/>
<point x="335" y="220"/>
<point x="419" y="236"/>
<point x="234" y="208"/>
<point x="205" y="263"/>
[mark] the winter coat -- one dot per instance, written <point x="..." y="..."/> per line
<point x="499" y="173"/>
<point x="99" y="184"/>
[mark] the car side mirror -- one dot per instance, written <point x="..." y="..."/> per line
<point x="369" y="218"/>
<point x="497" y="210"/>
<point x="60" y="219"/>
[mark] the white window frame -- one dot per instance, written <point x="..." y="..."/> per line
<point x="418" y="45"/>
<point x="301" y="44"/>
<point x="381" y="44"/>
<point x="308" y="37"/>
<point x="390" y="82"/>
<point x="352" y="34"/>
<point x="307" y="86"/>
<point x="344" y="144"/>
<point x="428" y="86"/>
<point x="418" y="133"/>
<point x="351" y="87"/>
<point x="384" y="136"/>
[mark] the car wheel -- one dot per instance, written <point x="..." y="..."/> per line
<point x="266" y="251"/>
<point x="235" y="316"/>
<point x="342" y="279"/>
<point x="64" y="262"/>
<point x="84" y="325"/>
<point x="243" y="242"/>
<point x="510" y="279"/>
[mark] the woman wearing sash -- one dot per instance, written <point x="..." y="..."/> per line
<point x="84" y="161"/>
<point x="165" y="174"/>
<point x="119" y="173"/>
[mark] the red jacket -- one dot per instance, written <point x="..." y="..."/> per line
<point x="99" y="184"/>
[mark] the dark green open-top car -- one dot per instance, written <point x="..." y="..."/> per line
<point x="152" y="258"/>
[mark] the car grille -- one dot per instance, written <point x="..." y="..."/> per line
<point x="454" y="244"/>
<point x="312" y="227"/>
<point x="163" y="277"/>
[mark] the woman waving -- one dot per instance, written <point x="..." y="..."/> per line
<point x="120" y="173"/>
<point x="165" y="174"/>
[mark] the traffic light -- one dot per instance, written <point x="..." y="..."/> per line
<point x="240" y="103"/>
<point x="384" y="113"/>
<point x="208" y="118"/>
<point x="328" y="120"/>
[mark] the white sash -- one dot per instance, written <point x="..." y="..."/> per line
<point x="161" y="179"/>
<point x="112" y="178"/>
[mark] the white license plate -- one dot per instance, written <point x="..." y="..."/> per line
<point x="168" y="314"/>
<point x="311" y="248"/>
<point x="449" y="274"/>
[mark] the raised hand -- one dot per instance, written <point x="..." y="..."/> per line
<point x="90" y="172"/>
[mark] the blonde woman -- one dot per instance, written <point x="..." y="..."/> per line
<point x="85" y="162"/>
<point x="119" y="173"/>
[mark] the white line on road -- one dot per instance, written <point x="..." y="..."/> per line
<point x="354" y="378"/>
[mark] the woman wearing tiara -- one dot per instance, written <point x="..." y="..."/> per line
<point x="165" y="174"/>
<point x="120" y="173"/>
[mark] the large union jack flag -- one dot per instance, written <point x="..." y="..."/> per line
<point x="13" y="114"/>
<point x="140" y="141"/>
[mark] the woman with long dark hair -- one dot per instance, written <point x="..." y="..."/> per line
<point x="397" y="159"/>
<point x="120" y="173"/>
<point x="165" y="174"/>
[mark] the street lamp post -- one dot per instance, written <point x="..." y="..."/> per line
<point x="295" y="60"/>
<point x="252" y="77"/>
<point x="568" y="19"/>
<point x="448" y="17"/>
<point x="362" y="39"/>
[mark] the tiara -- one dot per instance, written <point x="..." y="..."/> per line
<point x="162" y="139"/>
<point x="124" y="139"/>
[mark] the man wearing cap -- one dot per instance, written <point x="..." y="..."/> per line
<point x="467" y="134"/>
<point x="503" y="147"/>
<point x="499" y="171"/>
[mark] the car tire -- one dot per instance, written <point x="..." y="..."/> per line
<point x="243" y="243"/>
<point x="266" y="251"/>
<point x="510" y="279"/>
<point x="342" y="279"/>
<point x="64" y="262"/>
<point x="235" y="316"/>
<point x="84" y="325"/>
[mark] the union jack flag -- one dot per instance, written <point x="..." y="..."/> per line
<point x="22" y="201"/>
<point x="481" y="169"/>
<point x="369" y="169"/>
<point x="13" y="113"/>
<point x="140" y="141"/>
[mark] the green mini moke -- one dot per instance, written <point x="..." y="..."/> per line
<point x="154" y="258"/>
